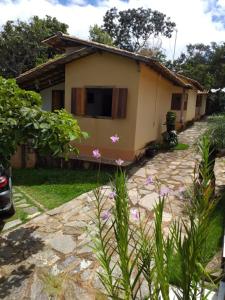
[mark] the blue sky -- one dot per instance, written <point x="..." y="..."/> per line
<point x="217" y="10"/>
<point x="198" y="21"/>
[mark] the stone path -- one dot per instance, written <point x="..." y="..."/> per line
<point x="26" y="209"/>
<point x="50" y="255"/>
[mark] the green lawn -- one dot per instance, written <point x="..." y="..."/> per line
<point x="53" y="187"/>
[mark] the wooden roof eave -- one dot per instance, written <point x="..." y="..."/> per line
<point x="60" y="39"/>
<point x="53" y="65"/>
<point x="167" y="74"/>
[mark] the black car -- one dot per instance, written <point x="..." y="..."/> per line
<point x="6" y="204"/>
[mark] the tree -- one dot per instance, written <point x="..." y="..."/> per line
<point x="205" y="63"/>
<point x="23" y="121"/>
<point x="97" y="34"/>
<point x="131" y="29"/>
<point x="20" y="44"/>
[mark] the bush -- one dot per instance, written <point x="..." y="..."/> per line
<point x="170" y="121"/>
<point x="170" y="138"/>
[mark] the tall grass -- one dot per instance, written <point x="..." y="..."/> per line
<point x="136" y="260"/>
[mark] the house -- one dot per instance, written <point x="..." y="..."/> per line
<point x="195" y="102"/>
<point x="113" y="91"/>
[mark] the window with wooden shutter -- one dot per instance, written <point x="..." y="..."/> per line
<point x="177" y="100"/>
<point x="199" y="101"/>
<point x="57" y="99"/>
<point x="99" y="102"/>
<point x="78" y="101"/>
<point x="119" y="103"/>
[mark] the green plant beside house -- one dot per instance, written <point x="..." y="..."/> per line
<point x="170" y="138"/>
<point x="22" y="121"/>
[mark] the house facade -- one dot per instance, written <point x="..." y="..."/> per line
<point x="111" y="91"/>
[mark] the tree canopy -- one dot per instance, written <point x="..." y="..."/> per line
<point x="97" y="34"/>
<point x="20" y="44"/>
<point x="205" y="63"/>
<point x="22" y="121"/>
<point x="131" y="29"/>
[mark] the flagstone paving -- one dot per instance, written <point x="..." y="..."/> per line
<point x="51" y="255"/>
<point x="26" y="209"/>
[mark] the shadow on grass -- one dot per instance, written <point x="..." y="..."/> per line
<point x="15" y="248"/>
<point x="30" y="177"/>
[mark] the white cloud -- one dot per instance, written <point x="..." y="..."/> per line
<point x="193" y="23"/>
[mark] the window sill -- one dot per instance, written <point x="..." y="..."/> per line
<point x="94" y="117"/>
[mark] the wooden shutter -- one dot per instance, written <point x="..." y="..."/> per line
<point x="199" y="101"/>
<point x="176" y="101"/>
<point x="119" y="103"/>
<point x="57" y="99"/>
<point x="185" y="101"/>
<point x="78" y="101"/>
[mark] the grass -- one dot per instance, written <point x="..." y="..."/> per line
<point x="19" y="214"/>
<point x="214" y="240"/>
<point x="181" y="146"/>
<point x="53" y="187"/>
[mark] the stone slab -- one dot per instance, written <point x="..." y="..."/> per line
<point x="12" y="224"/>
<point x="149" y="201"/>
<point x="62" y="243"/>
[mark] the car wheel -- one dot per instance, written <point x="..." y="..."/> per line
<point x="9" y="213"/>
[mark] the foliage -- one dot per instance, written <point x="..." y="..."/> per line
<point x="170" y="120"/>
<point x="23" y="121"/>
<point x="181" y="146"/>
<point x="132" y="253"/>
<point x="216" y="131"/>
<point x="20" y="44"/>
<point x="131" y="29"/>
<point x="170" y="137"/>
<point x="204" y="63"/>
<point x="216" y="102"/>
<point x="124" y="286"/>
<point x="97" y="34"/>
<point x="152" y="52"/>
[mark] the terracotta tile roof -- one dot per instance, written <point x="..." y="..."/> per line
<point x="63" y="41"/>
<point x="193" y="82"/>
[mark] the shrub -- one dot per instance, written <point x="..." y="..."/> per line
<point x="170" y="121"/>
<point x="170" y="138"/>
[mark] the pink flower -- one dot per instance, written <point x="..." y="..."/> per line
<point x="112" y="195"/>
<point x="119" y="162"/>
<point x="114" y="138"/>
<point x="164" y="191"/>
<point x="96" y="153"/>
<point x="149" y="180"/>
<point x="134" y="214"/>
<point x="105" y="215"/>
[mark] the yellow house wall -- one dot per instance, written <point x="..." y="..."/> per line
<point x="154" y="102"/>
<point x="191" y="106"/>
<point x="203" y="106"/>
<point x="46" y="95"/>
<point x="106" y="70"/>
